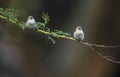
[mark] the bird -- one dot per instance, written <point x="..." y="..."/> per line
<point x="79" y="34"/>
<point x="31" y="23"/>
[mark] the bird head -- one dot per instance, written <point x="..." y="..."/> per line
<point x="30" y="17"/>
<point x="79" y="28"/>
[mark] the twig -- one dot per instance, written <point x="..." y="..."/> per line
<point x="100" y="46"/>
<point x="56" y="35"/>
<point x="9" y="20"/>
<point x="108" y="58"/>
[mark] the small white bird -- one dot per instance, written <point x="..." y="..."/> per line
<point x="79" y="34"/>
<point x="31" y="23"/>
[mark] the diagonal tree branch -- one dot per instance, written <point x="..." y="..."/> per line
<point x="8" y="18"/>
<point x="100" y="46"/>
<point x="108" y="58"/>
<point x="73" y="39"/>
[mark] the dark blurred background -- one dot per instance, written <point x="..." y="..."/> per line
<point x="30" y="54"/>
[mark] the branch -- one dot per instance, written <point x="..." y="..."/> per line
<point x="10" y="15"/>
<point x="73" y="39"/>
<point x="56" y="35"/>
<point x="100" y="46"/>
<point x="108" y="58"/>
<point x="8" y="20"/>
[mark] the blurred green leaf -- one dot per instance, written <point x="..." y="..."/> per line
<point x="62" y="33"/>
<point x="53" y="33"/>
<point x="22" y="25"/>
<point x="1" y="10"/>
<point x="45" y="17"/>
<point x="10" y="13"/>
<point x="40" y="25"/>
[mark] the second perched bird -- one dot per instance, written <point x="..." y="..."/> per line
<point x="31" y="23"/>
<point x="79" y="34"/>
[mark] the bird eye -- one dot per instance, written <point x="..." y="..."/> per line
<point x="30" y="17"/>
<point x="79" y="28"/>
